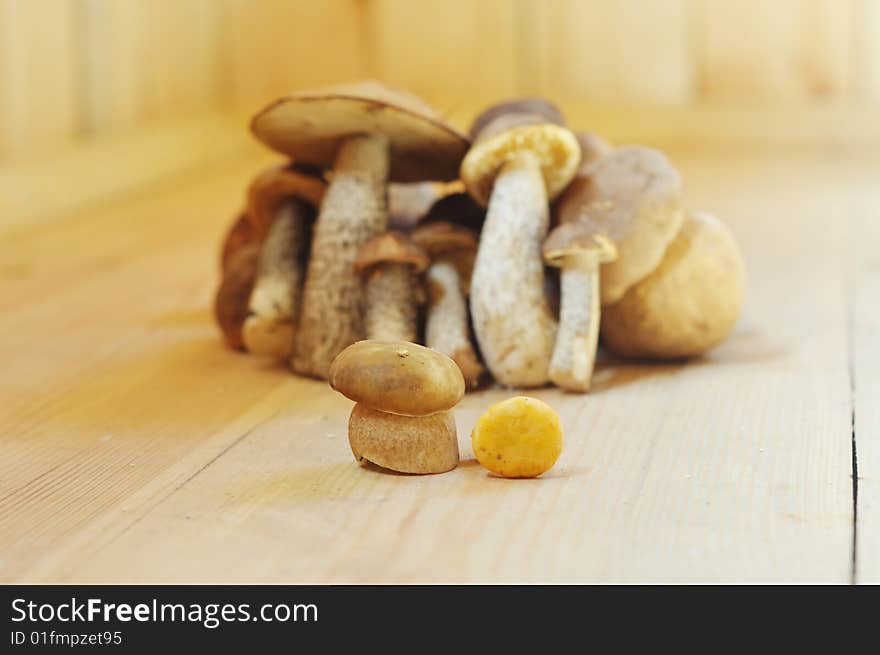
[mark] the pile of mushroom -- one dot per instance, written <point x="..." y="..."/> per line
<point x="513" y="251"/>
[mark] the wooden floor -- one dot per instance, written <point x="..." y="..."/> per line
<point x="135" y="448"/>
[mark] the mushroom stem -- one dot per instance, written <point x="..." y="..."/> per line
<point x="446" y="327"/>
<point x="512" y="319"/>
<point x="270" y="326"/>
<point x="571" y="366"/>
<point x="353" y="210"/>
<point x="391" y="303"/>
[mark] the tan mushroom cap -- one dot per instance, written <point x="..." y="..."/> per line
<point x="633" y="196"/>
<point x="539" y="107"/>
<point x="688" y="304"/>
<point x="570" y="238"/>
<point x="440" y="237"/>
<point x="593" y="148"/>
<point x="508" y="135"/>
<point x="311" y="125"/>
<point x="397" y="377"/>
<point x="276" y="185"/>
<point x="392" y="248"/>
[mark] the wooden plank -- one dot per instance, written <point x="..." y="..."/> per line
<point x="439" y="47"/>
<point x="866" y="374"/>
<point x="131" y="435"/>
<point x="103" y="169"/>
<point x="38" y="75"/>
<point x="614" y="52"/>
<point x="131" y="79"/>
<point x="792" y="50"/>
<point x="273" y="47"/>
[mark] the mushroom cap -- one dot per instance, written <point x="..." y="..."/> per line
<point x="276" y="185"/>
<point x="440" y="237"/>
<point x="555" y="147"/>
<point x="688" y="304"/>
<point x="633" y="196"/>
<point x="310" y="126"/>
<point x="393" y="248"/>
<point x="398" y="377"/>
<point x="572" y="238"/>
<point x="546" y="110"/>
<point x="593" y="148"/>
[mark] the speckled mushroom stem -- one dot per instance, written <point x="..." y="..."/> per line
<point x="353" y="210"/>
<point x="446" y="326"/>
<point x="512" y="319"/>
<point x="571" y="367"/>
<point x="391" y="303"/>
<point x="274" y="302"/>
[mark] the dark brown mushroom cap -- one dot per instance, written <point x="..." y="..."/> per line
<point x="310" y="126"/>
<point x="275" y="186"/>
<point x="571" y="238"/>
<point x="397" y="377"/>
<point x="458" y="209"/>
<point x="545" y="110"/>
<point x="239" y="234"/>
<point x="439" y="238"/>
<point x="391" y="248"/>
<point x="231" y="299"/>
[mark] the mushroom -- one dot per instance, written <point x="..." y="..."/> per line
<point x="231" y="299"/>
<point x="280" y="209"/>
<point x="408" y="203"/>
<point x="239" y="234"/>
<point x="447" y="329"/>
<point x="632" y="196"/>
<point x="518" y="163"/>
<point x="403" y="393"/>
<point x="687" y="304"/>
<point x="369" y="135"/>
<point x="390" y="263"/>
<point x="578" y="251"/>
<point x="593" y="148"/>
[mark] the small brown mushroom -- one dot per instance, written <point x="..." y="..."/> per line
<point x="632" y="196"/>
<point x="578" y="251"/>
<point x="687" y="304"/>
<point x="281" y="205"/>
<point x="231" y="299"/>
<point x="447" y="329"/>
<point x="519" y="162"/>
<point x="239" y="234"/>
<point x="390" y="263"/>
<point x="403" y="393"/>
<point x="369" y="135"/>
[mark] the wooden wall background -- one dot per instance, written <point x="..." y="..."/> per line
<point x="75" y="71"/>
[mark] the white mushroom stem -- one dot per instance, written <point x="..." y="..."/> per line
<point x="446" y="326"/>
<point x="269" y="328"/>
<point x="353" y="211"/>
<point x="512" y="319"/>
<point x="571" y="367"/>
<point x="391" y="303"/>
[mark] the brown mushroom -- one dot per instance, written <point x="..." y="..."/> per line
<point x="688" y="303"/>
<point x="447" y="329"/>
<point x="238" y="235"/>
<point x="593" y="148"/>
<point x="390" y="263"/>
<point x="518" y="163"/>
<point x="578" y="251"/>
<point x="369" y="135"/>
<point x="408" y="203"/>
<point x="403" y="393"/>
<point x="281" y="205"/>
<point x="231" y="299"/>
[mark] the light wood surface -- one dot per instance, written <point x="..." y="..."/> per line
<point x="134" y="447"/>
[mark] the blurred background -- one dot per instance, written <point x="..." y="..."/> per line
<point x="156" y="87"/>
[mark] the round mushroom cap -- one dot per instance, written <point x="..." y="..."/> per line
<point x="555" y="147"/>
<point x="275" y="186"/>
<point x="574" y="238"/>
<point x="398" y="377"/>
<point x="688" y="304"/>
<point x="593" y="148"/>
<point x="633" y="196"/>
<point x="310" y="126"/>
<point x="391" y="248"/>
<point x="544" y="109"/>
